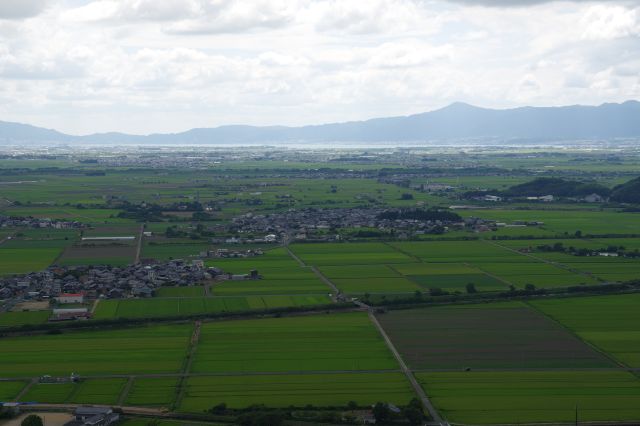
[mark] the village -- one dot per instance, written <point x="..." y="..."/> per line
<point x="69" y="288"/>
<point x="32" y="222"/>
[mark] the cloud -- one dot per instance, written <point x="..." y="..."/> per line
<point x="526" y="3"/>
<point x="21" y="9"/>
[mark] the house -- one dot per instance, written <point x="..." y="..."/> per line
<point x="594" y="198"/>
<point x="70" y="314"/>
<point x="93" y="416"/>
<point x="493" y="198"/>
<point x="70" y="298"/>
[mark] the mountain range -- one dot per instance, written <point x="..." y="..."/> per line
<point x="458" y="121"/>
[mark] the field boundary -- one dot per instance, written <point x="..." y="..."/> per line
<point x="577" y="336"/>
<point x="126" y="389"/>
<point x="407" y="372"/>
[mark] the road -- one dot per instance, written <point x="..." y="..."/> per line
<point x="407" y="372"/>
<point x="139" y="248"/>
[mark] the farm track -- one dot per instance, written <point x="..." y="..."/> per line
<point x="495" y="277"/>
<point x="26" y="389"/>
<point x="407" y="372"/>
<point x="334" y="289"/>
<point x="548" y="262"/>
<point x="327" y="281"/>
<point x="589" y="344"/>
<point x="181" y="388"/>
<point x="5" y="239"/>
<point x="125" y="391"/>
<point x="139" y="247"/>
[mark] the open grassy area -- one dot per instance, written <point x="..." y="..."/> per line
<point x="154" y="349"/>
<point x="486" y="336"/>
<point x="533" y="396"/>
<point x="312" y="343"/>
<point x="612" y="323"/>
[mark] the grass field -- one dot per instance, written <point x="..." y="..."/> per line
<point x="154" y="349"/>
<point x="295" y="389"/>
<point x="612" y="323"/>
<point x="486" y="336"/>
<point x="313" y="343"/>
<point x="533" y="396"/>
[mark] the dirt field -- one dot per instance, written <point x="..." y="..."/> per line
<point x="31" y="306"/>
<point x="486" y="336"/>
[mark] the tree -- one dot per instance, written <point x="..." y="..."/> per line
<point x="406" y="196"/>
<point x="530" y="287"/>
<point x="471" y="288"/>
<point x="352" y="405"/>
<point x="219" y="409"/>
<point x="414" y="415"/>
<point x="381" y="412"/>
<point x="32" y="420"/>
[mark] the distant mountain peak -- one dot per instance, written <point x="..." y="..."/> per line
<point x="456" y="121"/>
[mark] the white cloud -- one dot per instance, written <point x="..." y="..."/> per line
<point x="151" y="66"/>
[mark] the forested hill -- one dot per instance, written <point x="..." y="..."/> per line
<point x="556" y="187"/>
<point x="627" y="192"/>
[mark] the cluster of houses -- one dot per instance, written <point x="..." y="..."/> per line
<point x="32" y="222"/>
<point x="324" y="224"/>
<point x="67" y="285"/>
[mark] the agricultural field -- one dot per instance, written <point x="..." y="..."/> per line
<point x="349" y="254"/>
<point x="13" y="319"/>
<point x="23" y="260"/>
<point x="10" y="389"/>
<point x="186" y="305"/>
<point x="92" y="391"/>
<point x="513" y="397"/>
<point x="295" y="389"/>
<point x="160" y="392"/>
<point x="153" y="349"/>
<point x="486" y="336"/>
<point x="167" y="250"/>
<point x="334" y="342"/>
<point x="611" y="323"/>
<point x="191" y="291"/>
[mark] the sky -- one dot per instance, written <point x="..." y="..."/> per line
<point x="157" y="66"/>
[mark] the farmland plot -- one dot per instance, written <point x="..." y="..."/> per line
<point x="486" y="336"/>
<point x="534" y="396"/>
<point x="612" y="323"/>
<point x="295" y="389"/>
<point x="156" y="349"/>
<point x="313" y="343"/>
